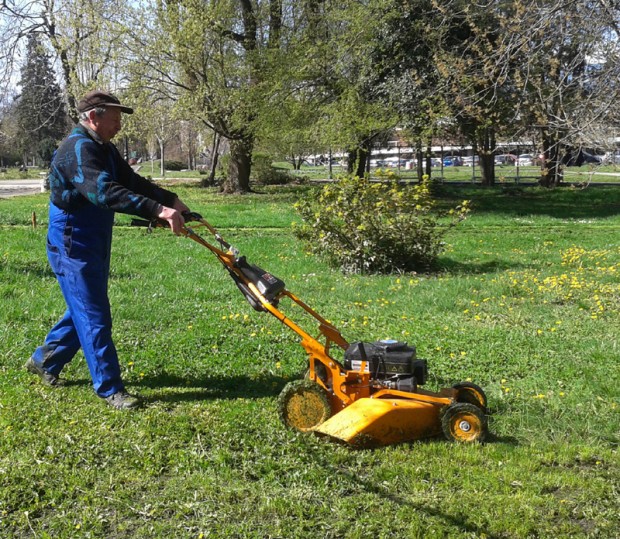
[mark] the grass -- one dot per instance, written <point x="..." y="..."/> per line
<point x="527" y="306"/>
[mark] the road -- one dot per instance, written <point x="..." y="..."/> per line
<point x="11" y="188"/>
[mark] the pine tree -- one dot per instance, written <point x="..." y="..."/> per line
<point x="41" y="113"/>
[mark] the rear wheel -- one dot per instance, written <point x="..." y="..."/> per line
<point x="464" y="422"/>
<point x="303" y="405"/>
<point x="470" y="393"/>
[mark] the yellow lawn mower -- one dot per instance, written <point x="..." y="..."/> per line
<point x="371" y="398"/>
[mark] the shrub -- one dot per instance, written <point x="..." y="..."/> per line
<point x="265" y="173"/>
<point x="364" y="226"/>
<point x="174" y="165"/>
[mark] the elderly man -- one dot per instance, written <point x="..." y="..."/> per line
<point x="89" y="182"/>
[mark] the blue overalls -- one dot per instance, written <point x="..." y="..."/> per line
<point x="89" y="182"/>
<point x="78" y="249"/>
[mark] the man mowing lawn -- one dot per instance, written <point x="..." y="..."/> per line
<point x="89" y="181"/>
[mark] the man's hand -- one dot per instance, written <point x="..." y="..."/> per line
<point x="174" y="218"/>
<point x="180" y="206"/>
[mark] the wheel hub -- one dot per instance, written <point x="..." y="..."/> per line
<point x="465" y="426"/>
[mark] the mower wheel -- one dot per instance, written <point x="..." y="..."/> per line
<point x="464" y="422"/>
<point x="471" y="393"/>
<point x="303" y="405"/>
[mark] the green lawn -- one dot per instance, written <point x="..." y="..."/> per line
<point x="527" y="306"/>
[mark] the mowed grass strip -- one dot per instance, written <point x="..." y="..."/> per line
<point x="527" y="306"/>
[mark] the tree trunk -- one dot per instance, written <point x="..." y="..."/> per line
<point x="162" y="155"/>
<point x="215" y="154"/>
<point x="356" y="164"/>
<point x="486" y="150"/>
<point x="239" y="167"/>
<point x="296" y="160"/>
<point x="429" y="162"/>
<point x="552" y="167"/>
<point x="419" y="160"/>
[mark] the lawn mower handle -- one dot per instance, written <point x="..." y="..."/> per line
<point x="187" y="215"/>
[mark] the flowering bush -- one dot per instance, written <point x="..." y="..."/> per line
<point x="365" y="226"/>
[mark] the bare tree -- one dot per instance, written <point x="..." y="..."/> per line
<point x="85" y="35"/>
<point x="563" y="60"/>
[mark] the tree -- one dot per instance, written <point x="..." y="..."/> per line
<point x="341" y="45"/>
<point x="9" y="154"/>
<point x="41" y="116"/>
<point x="215" y="58"/>
<point x="155" y="119"/>
<point x="86" y="36"/>
<point x="564" y="62"/>
<point x="407" y="79"/>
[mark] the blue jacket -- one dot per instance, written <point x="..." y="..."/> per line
<point x="85" y="171"/>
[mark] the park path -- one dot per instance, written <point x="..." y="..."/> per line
<point x="11" y="188"/>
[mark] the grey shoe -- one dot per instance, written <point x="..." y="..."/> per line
<point x="121" y="400"/>
<point x="47" y="378"/>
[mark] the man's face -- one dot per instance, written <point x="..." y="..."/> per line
<point x="107" y="125"/>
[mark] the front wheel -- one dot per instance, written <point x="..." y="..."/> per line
<point x="464" y="422"/>
<point x="303" y="405"/>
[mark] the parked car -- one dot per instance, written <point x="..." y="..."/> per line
<point x="452" y="161"/>
<point x="505" y="159"/>
<point x="471" y="160"/>
<point x="377" y="163"/>
<point x="591" y="158"/>
<point x="524" y="160"/>
<point x="580" y="157"/>
<point x="612" y="158"/>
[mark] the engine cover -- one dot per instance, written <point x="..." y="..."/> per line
<point x="393" y="362"/>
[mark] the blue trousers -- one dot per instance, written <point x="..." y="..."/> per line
<point x="78" y="250"/>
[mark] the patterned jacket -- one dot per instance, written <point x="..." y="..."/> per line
<point x="84" y="170"/>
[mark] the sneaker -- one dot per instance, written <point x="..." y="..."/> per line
<point x="47" y="378"/>
<point x="121" y="400"/>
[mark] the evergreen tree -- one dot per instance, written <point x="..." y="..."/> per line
<point x="41" y="113"/>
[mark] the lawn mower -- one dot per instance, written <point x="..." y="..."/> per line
<point x="370" y="398"/>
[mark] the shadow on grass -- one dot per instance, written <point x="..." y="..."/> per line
<point x="431" y="509"/>
<point x="38" y="269"/>
<point x="492" y="266"/>
<point x="173" y="388"/>
<point x="561" y="203"/>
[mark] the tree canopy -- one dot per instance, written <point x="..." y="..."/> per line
<point x="304" y="76"/>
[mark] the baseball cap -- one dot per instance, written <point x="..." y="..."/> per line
<point x="99" y="98"/>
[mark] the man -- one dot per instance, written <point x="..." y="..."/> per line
<point x="89" y="182"/>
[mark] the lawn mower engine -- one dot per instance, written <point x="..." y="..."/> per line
<point x="390" y="362"/>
